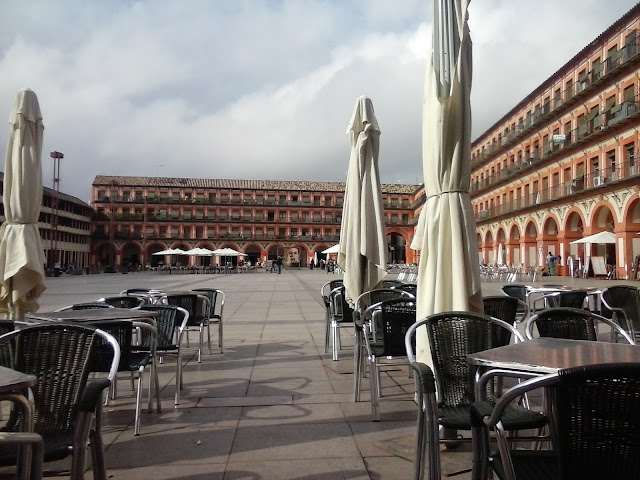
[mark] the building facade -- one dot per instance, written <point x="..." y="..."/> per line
<point x="135" y="217"/>
<point x="65" y="228"/>
<point x="563" y="163"/>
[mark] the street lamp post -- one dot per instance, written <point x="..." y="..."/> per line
<point x="56" y="156"/>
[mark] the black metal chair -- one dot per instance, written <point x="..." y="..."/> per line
<point x="515" y="290"/>
<point x="390" y="323"/>
<point x="391" y="284"/>
<point x="341" y="315"/>
<point x="216" y="298"/>
<point x="509" y="309"/>
<point x="624" y="303"/>
<point x="199" y="309"/>
<point x="571" y="299"/>
<point x="452" y="336"/>
<point x="123" y="301"/>
<point x="132" y="360"/>
<point x="171" y="323"/>
<point x="325" y="293"/>
<point x="362" y="314"/>
<point x="65" y="401"/>
<point x="572" y="323"/>
<point x="596" y="426"/>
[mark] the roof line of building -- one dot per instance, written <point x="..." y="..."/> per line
<point x="558" y="73"/>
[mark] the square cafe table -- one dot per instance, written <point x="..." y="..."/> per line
<point x="549" y="355"/>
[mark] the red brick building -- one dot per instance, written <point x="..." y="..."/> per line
<point x="563" y="163"/>
<point x="135" y="217"/>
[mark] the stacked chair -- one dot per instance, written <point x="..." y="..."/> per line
<point x="367" y="307"/>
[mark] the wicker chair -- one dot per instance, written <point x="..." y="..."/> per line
<point x="624" y="303"/>
<point x="363" y="314"/>
<point x="199" y="309"/>
<point x="452" y="336"/>
<point x="571" y="299"/>
<point x="509" y="309"/>
<point x="411" y="288"/>
<point x="391" y="322"/>
<point x="391" y="284"/>
<point x="572" y="323"/>
<point x="341" y="315"/>
<point x="84" y="306"/>
<point x="131" y="360"/>
<point x="65" y="401"/>
<point x="325" y="293"/>
<point x="171" y="322"/>
<point x="217" y="299"/>
<point x="124" y="301"/>
<point x="516" y="291"/>
<point x="596" y="427"/>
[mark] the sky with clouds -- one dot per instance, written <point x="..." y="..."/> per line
<point x="261" y="89"/>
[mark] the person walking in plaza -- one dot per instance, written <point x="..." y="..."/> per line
<point x="279" y="264"/>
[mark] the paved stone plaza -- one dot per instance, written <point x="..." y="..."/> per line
<point x="273" y="405"/>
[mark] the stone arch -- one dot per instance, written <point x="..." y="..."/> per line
<point x="155" y="260"/>
<point x="603" y="219"/>
<point x="396" y="247"/>
<point x="533" y="253"/>
<point x="514" y="253"/>
<point x="488" y="247"/>
<point x="131" y="254"/>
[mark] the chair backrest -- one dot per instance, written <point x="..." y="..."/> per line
<point x="134" y="291"/>
<point x="395" y="318"/>
<point x="124" y="301"/>
<point x="411" y="288"/>
<point x="59" y="356"/>
<point x="503" y="307"/>
<point x="85" y="306"/>
<point x="372" y="297"/>
<point x="192" y="303"/>
<point x="572" y="299"/>
<point x="210" y="293"/>
<point x="339" y="307"/>
<point x="122" y="331"/>
<point x="516" y="291"/>
<point x="168" y="319"/>
<point x="598" y="421"/>
<point x="624" y="301"/>
<point x="391" y="283"/>
<point x="454" y="335"/>
<point x="327" y="288"/>
<point x="571" y="323"/>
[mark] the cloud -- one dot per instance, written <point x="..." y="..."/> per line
<point x="261" y="89"/>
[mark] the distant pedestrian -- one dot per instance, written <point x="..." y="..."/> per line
<point x="279" y="264"/>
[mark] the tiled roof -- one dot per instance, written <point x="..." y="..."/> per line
<point x="61" y="195"/>
<point x="231" y="184"/>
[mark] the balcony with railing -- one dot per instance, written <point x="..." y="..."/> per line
<point x="557" y="104"/>
<point x="593" y="128"/>
<point x="585" y="184"/>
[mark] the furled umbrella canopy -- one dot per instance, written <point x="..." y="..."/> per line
<point x="448" y="273"/>
<point x="21" y="253"/>
<point x="362" y="247"/>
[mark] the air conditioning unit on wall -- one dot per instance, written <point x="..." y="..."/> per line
<point x="597" y="181"/>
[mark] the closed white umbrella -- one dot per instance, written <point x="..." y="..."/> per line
<point x="21" y="252"/>
<point x="362" y="247"/>
<point x="448" y="273"/>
